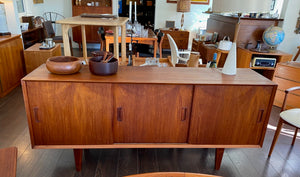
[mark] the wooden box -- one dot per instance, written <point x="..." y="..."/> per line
<point x="34" y="56"/>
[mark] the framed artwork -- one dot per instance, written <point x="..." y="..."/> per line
<point x="38" y="1"/>
<point x="192" y="1"/>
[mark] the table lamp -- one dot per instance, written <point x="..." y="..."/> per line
<point x="238" y="6"/>
<point x="183" y="6"/>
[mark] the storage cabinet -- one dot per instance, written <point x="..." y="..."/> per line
<point x="244" y="57"/>
<point x="148" y="107"/>
<point x="287" y="75"/>
<point x="11" y="63"/>
<point x="135" y="120"/>
<point x="105" y="7"/>
<point x="70" y="113"/>
<point x="243" y="107"/>
<point x="180" y="37"/>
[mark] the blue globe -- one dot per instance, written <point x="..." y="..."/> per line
<point x="273" y="36"/>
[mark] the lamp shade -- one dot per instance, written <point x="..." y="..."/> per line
<point x="241" y="6"/>
<point x="183" y="5"/>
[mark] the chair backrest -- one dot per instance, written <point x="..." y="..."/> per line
<point x="48" y="29"/>
<point x="174" y="50"/>
<point x="101" y="34"/>
<point x="53" y="16"/>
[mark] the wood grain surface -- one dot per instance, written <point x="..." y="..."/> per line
<point x="8" y="162"/>
<point x="156" y="75"/>
<point x="11" y="63"/>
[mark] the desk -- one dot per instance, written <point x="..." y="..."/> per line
<point x="210" y="109"/>
<point x="150" y="40"/>
<point x="68" y="23"/>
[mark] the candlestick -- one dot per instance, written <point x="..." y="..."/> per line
<point x="130" y="10"/>
<point x="135" y="19"/>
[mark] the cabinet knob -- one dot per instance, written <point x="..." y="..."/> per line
<point x="183" y="114"/>
<point x="36" y="116"/>
<point x="260" y="115"/>
<point x="119" y="114"/>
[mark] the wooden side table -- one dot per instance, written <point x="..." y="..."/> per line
<point x="34" y="56"/>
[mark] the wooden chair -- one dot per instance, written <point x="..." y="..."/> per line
<point x="175" y="53"/>
<point x="8" y="162"/>
<point x="160" y="38"/>
<point x="101" y="34"/>
<point x="290" y="117"/>
<point x="50" y="33"/>
<point x="171" y="174"/>
<point x="298" y="53"/>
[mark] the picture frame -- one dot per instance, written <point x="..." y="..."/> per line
<point x="192" y="1"/>
<point x="38" y="1"/>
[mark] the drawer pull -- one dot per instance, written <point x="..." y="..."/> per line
<point x="260" y="115"/>
<point x="119" y="114"/>
<point x="183" y="112"/>
<point x="36" y="116"/>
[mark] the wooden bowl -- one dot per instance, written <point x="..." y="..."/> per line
<point x="97" y="67"/>
<point x="63" y="64"/>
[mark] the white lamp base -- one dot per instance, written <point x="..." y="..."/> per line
<point x="230" y="63"/>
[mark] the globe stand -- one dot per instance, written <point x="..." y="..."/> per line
<point x="272" y="49"/>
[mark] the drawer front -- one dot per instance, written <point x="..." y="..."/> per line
<point x="290" y="73"/>
<point x="292" y="100"/>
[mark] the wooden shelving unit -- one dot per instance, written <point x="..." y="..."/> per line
<point x="105" y="7"/>
<point x="244" y="57"/>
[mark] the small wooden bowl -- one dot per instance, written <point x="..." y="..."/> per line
<point x="63" y="65"/>
<point x="99" y="68"/>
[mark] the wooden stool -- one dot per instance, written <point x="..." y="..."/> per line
<point x="8" y="162"/>
<point x="171" y="174"/>
<point x="34" y="56"/>
<point x="298" y="53"/>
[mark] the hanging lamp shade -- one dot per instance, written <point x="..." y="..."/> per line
<point x="183" y="5"/>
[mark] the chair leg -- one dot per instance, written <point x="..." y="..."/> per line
<point x="278" y="129"/>
<point x="295" y="136"/>
<point x="71" y="47"/>
<point x="298" y="53"/>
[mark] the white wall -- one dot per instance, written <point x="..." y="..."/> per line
<point x="290" y="13"/>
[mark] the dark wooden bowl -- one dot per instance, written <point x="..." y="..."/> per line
<point x="63" y="64"/>
<point x="97" y="67"/>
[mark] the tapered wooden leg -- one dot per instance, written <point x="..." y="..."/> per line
<point x="78" y="158"/>
<point x="278" y="129"/>
<point x="218" y="157"/>
<point x="295" y="136"/>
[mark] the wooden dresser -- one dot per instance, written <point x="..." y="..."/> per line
<point x="148" y="107"/>
<point x="287" y="75"/>
<point x="11" y="63"/>
<point x="180" y="37"/>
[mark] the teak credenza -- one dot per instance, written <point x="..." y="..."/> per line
<point x="148" y="107"/>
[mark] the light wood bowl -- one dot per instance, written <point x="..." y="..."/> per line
<point x="63" y="64"/>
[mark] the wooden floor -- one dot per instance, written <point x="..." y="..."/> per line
<point x="285" y="160"/>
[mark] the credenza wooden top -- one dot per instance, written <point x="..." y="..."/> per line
<point x="156" y="75"/>
<point x="6" y="38"/>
